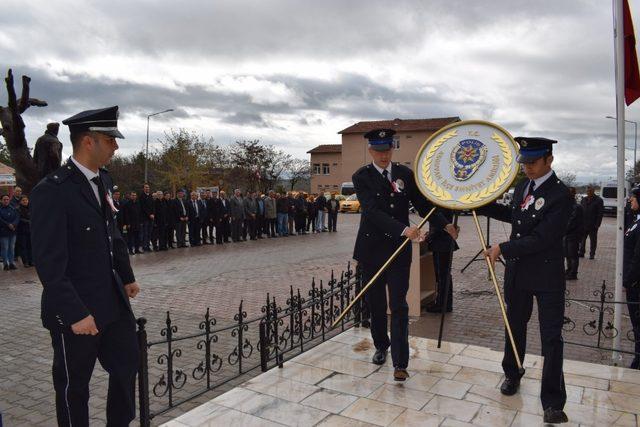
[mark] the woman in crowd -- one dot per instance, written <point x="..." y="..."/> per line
<point x="9" y="219"/>
<point x="631" y="272"/>
<point x="24" y="232"/>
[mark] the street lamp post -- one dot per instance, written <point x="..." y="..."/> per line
<point x="146" y="152"/>
<point x="635" y="144"/>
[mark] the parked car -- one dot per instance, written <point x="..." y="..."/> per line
<point x="351" y="204"/>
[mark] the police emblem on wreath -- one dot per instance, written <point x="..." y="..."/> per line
<point x="467" y="157"/>
<point x="467" y="164"/>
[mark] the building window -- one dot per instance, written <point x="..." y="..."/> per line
<point x="316" y="168"/>
<point x="335" y="186"/>
<point x="408" y="136"/>
<point x="325" y="169"/>
<point x="396" y="143"/>
<point x="335" y="164"/>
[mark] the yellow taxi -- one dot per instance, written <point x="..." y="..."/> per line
<point x="351" y="204"/>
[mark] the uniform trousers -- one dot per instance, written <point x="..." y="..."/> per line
<point x="181" y="233"/>
<point x="633" y="298"/>
<point x="551" y="316"/>
<point x="74" y="357"/>
<point x="571" y="248"/>
<point x="396" y="279"/>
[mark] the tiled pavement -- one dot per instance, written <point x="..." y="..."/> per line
<point x="188" y="281"/>
<point x="335" y="384"/>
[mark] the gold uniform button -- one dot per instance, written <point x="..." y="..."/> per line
<point x="391" y="205"/>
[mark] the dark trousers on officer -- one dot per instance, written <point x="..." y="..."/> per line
<point x="162" y="236"/>
<point x="397" y="279"/>
<point x="633" y="300"/>
<point x="551" y="316"/>
<point x="442" y="264"/>
<point x="571" y="251"/>
<point x="74" y="357"/>
<point x="593" y="242"/>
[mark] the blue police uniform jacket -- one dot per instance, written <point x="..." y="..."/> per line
<point x="80" y="256"/>
<point x="385" y="213"/>
<point x="534" y="253"/>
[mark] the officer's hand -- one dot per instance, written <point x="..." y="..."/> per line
<point x="132" y="289"/>
<point x="86" y="326"/>
<point x="452" y="230"/>
<point x="493" y="253"/>
<point x="414" y="233"/>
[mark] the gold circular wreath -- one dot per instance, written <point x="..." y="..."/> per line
<point x="442" y="197"/>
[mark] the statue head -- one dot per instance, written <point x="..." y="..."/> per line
<point x="53" y="128"/>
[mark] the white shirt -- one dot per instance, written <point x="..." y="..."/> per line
<point x="379" y="169"/>
<point x="542" y="179"/>
<point x="89" y="174"/>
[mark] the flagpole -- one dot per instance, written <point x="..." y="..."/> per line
<point x="618" y="33"/>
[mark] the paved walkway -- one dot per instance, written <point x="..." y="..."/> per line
<point x="335" y="384"/>
<point x="187" y="281"/>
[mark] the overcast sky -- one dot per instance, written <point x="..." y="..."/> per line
<point x="294" y="73"/>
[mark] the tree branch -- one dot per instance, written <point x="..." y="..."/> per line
<point x="24" y="99"/>
<point x="11" y="92"/>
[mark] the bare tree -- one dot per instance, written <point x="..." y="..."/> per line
<point x="13" y="132"/>
<point x="299" y="170"/>
<point x="568" y="178"/>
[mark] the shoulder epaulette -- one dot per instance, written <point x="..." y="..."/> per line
<point x="61" y="174"/>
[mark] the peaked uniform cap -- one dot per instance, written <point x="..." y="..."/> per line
<point x="532" y="148"/>
<point x="380" y="139"/>
<point x="103" y="120"/>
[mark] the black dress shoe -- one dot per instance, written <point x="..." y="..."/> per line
<point x="635" y="364"/>
<point x="12" y="267"/>
<point x="555" y="416"/>
<point x="510" y="386"/>
<point x="590" y="257"/>
<point x="379" y="357"/>
<point x="571" y="277"/>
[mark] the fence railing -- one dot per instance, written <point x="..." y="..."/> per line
<point x="600" y="329"/>
<point x="187" y="366"/>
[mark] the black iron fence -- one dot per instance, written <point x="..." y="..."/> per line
<point x="179" y="368"/>
<point x="597" y="331"/>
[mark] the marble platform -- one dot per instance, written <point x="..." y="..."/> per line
<point x="335" y="384"/>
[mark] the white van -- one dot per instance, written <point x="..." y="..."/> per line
<point x="347" y="189"/>
<point x="609" y="194"/>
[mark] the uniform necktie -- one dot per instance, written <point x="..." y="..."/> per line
<point x="532" y="187"/>
<point x="195" y="207"/>
<point x="101" y="192"/>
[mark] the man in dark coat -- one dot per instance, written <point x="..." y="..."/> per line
<point x="83" y="265"/>
<point x="573" y="237"/>
<point x="181" y="215"/>
<point x="538" y="214"/>
<point x="133" y="223"/>
<point x="196" y="214"/>
<point x="224" y="212"/>
<point x="593" y="208"/>
<point x="384" y="190"/>
<point x="162" y="217"/>
<point x="333" y="206"/>
<point x="118" y="204"/>
<point x="47" y="153"/>
<point x="148" y="215"/>
<point x="321" y="209"/>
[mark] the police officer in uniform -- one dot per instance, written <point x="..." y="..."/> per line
<point x="384" y="191"/>
<point x="87" y="280"/>
<point x="535" y="268"/>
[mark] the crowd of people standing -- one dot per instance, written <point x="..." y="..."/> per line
<point x="15" y="230"/>
<point x="157" y="221"/>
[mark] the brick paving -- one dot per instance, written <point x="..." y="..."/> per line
<point x="187" y="281"/>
